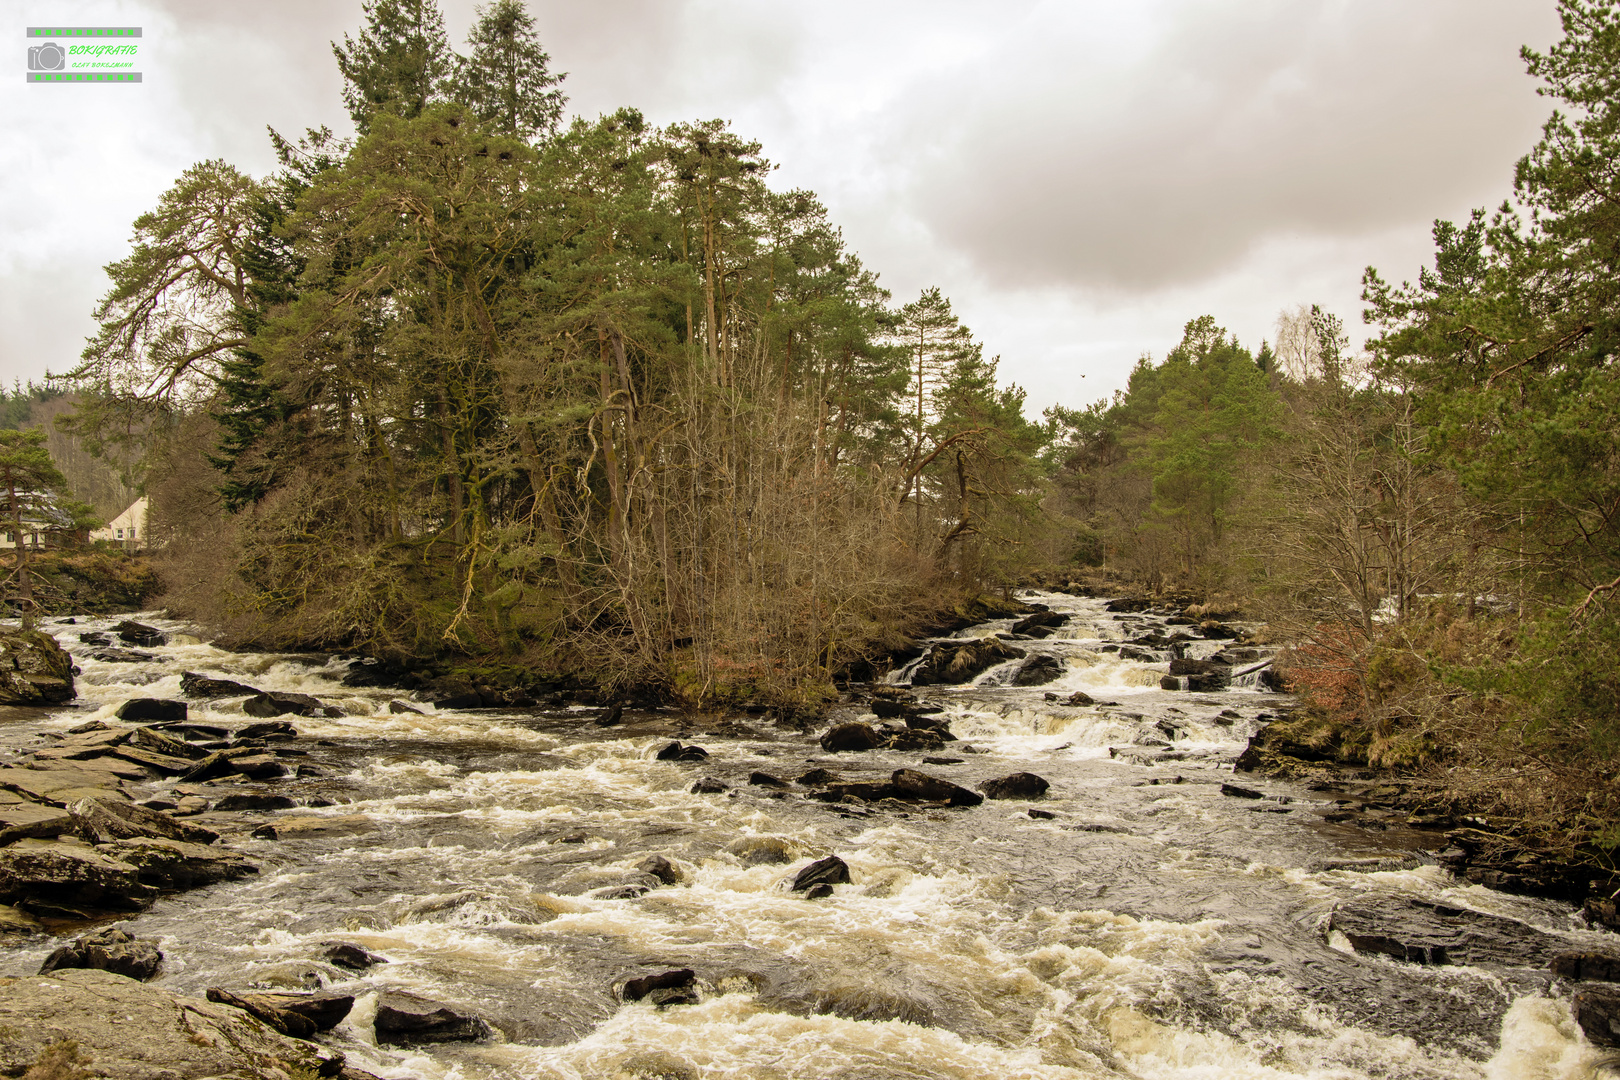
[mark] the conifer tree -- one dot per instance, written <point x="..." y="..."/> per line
<point x="506" y="80"/>
<point x="30" y="483"/>
<point x="401" y="63"/>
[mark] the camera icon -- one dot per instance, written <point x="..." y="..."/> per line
<point x="47" y="57"/>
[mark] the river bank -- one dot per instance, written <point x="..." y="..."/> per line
<point x="1147" y="914"/>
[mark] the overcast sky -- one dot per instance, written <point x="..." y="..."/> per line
<point x="1081" y="178"/>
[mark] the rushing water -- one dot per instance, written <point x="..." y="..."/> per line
<point x="1150" y="928"/>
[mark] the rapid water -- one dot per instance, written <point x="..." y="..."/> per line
<point x="1151" y="928"/>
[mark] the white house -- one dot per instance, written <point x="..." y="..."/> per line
<point x="128" y="528"/>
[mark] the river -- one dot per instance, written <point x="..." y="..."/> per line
<point x="1150" y="927"/>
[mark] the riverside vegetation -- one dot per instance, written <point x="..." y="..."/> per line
<point x="536" y="401"/>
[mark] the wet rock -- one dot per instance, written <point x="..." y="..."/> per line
<point x="405" y="1019"/>
<point x="611" y="715"/>
<point x="346" y="954"/>
<point x="660" y="868"/>
<point x="274" y="703"/>
<point x="105" y="820"/>
<point x="127" y="656"/>
<point x="1241" y="792"/>
<point x="708" y="785"/>
<point x="620" y="892"/>
<point x="1597" y="1011"/>
<point x="313" y="827"/>
<point x="254" y="800"/>
<point x="914" y="739"/>
<point x="764" y="779"/>
<point x="397" y="707"/>
<point x="1274" y="680"/>
<point x="919" y="785"/>
<point x="1038" y="670"/>
<point x="268" y="729"/>
<point x="674" y="987"/>
<point x="190" y="804"/>
<point x="34" y="669"/>
<point x="1586" y="966"/>
<point x="174" y="864"/>
<point x="139" y="634"/>
<point x="1426" y="933"/>
<point x="818" y="778"/>
<point x="851" y="737"/>
<point x="933" y="760"/>
<point x="1080" y="697"/>
<point x="959" y="662"/>
<point x="202" y="686"/>
<point x="297" y="1014"/>
<point x="58" y="786"/>
<point x="94" y="637"/>
<point x="829" y="871"/>
<point x="891" y="708"/>
<point x="1601" y="911"/>
<point x="677" y="752"/>
<point x="1041" y="815"/>
<point x="130" y="1031"/>
<point x="14" y="920"/>
<point x="859" y="790"/>
<point x="150" y="738"/>
<point x="21" y="819"/>
<point x="1022" y="785"/>
<point x="1039" y="625"/>
<point x="260" y="767"/>
<point x="51" y="874"/>
<point x="113" y="950"/>
<point x="1203" y="676"/>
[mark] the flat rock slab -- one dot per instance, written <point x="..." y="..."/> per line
<point x="56" y="874"/>
<point x="104" y="820"/>
<point x="175" y="864"/>
<point x="1422" y="933"/>
<point x="59" y="787"/>
<point x="313" y="827"/>
<point x="30" y="820"/>
<point x="130" y="1031"/>
<point x="403" y="1019"/>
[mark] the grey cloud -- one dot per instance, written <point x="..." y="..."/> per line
<point x="1245" y="121"/>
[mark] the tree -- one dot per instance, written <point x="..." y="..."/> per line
<point x="401" y="63"/>
<point x="506" y="79"/>
<point x="31" y="486"/>
<point x="935" y="341"/>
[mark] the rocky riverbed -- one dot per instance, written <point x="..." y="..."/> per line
<point x="1026" y="854"/>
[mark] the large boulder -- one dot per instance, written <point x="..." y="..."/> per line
<point x="1038" y="670"/>
<point x="845" y="737"/>
<point x="139" y="634"/>
<point x="133" y="1032"/>
<point x="960" y="661"/>
<point x="1597" y="1011"/>
<point x="274" y="703"/>
<point x="202" y="686"/>
<point x="919" y="785"/>
<point x="1041" y="624"/>
<point x="1021" y="785"/>
<point x="175" y="864"/>
<point x="112" y="950"/>
<point x="34" y="669"/>
<point x="147" y="710"/>
<point x="404" y="1019"/>
<point x="819" y="877"/>
<point x="107" y="819"/>
<point x="54" y="876"/>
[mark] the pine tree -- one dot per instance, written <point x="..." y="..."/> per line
<point x="401" y="63"/>
<point x="30" y="483"/>
<point x="506" y="80"/>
